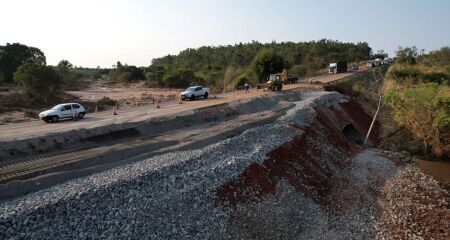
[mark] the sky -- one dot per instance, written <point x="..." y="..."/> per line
<point x="92" y="33"/>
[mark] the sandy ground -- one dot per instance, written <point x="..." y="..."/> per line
<point x="121" y="93"/>
<point x="137" y="93"/>
<point x="127" y="114"/>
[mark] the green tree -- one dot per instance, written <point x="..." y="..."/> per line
<point x="14" y="55"/>
<point x="182" y="78"/>
<point x="380" y="54"/>
<point x="266" y="63"/>
<point x="125" y="77"/>
<point x="67" y="73"/>
<point x="406" y="55"/>
<point x="65" y="64"/>
<point x="130" y="73"/>
<point x="40" y="82"/>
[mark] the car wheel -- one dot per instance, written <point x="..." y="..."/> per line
<point x="80" y="115"/>
<point x="192" y="97"/>
<point x="55" y="118"/>
<point x="205" y="96"/>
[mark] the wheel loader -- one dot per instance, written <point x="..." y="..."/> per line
<point x="275" y="81"/>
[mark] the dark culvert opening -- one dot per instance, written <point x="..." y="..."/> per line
<point x="352" y="134"/>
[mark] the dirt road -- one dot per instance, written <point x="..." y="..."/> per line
<point x="38" y="128"/>
<point x="131" y="114"/>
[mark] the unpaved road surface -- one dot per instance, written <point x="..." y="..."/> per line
<point x="126" y="114"/>
<point x="38" y="128"/>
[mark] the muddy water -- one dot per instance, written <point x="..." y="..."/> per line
<point x="438" y="169"/>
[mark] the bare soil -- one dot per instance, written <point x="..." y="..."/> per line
<point x="14" y="110"/>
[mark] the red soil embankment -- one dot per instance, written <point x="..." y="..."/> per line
<point x="307" y="162"/>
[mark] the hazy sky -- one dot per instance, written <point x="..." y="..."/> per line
<point x="92" y="33"/>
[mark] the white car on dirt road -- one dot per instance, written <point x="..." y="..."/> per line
<point x="64" y="110"/>
<point x="194" y="92"/>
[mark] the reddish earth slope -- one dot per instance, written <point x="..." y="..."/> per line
<point x="307" y="162"/>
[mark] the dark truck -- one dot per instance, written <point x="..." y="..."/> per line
<point x="338" y="67"/>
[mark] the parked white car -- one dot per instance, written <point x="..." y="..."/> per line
<point x="64" y="110"/>
<point x="194" y="92"/>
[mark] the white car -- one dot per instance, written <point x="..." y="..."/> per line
<point x="64" y="110"/>
<point x="194" y="92"/>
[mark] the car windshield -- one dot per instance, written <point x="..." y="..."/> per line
<point x="57" y="107"/>
<point x="190" y="89"/>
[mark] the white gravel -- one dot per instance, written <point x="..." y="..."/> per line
<point x="171" y="196"/>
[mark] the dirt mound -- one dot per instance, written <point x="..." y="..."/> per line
<point x="308" y="162"/>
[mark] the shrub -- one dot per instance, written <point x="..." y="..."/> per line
<point x="106" y="101"/>
<point x="404" y="73"/>
<point x="436" y="77"/>
<point x="125" y="77"/>
<point x="198" y="81"/>
<point x="425" y="110"/>
<point x="40" y="82"/>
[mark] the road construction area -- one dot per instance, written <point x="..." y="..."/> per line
<point x="284" y="165"/>
<point x="262" y="165"/>
<point x="125" y="114"/>
<point x="128" y="114"/>
<point x="69" y="149"/>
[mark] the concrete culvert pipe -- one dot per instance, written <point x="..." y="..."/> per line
<point x="352" y="134"/>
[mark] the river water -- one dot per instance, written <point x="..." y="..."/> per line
<point x="438" y="169"/>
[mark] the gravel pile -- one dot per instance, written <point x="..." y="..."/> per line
<point x="165" y="197"/>
<point x="415" y="206"/>
<point x="173" y="196"/>
<point x="350" y="211"/>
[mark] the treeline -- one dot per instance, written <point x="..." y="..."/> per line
<point x="226" y="67"/>
<point x="223" y="66"/>
<point x="417" y="89"/>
